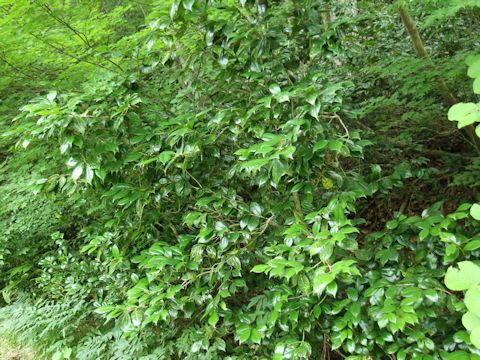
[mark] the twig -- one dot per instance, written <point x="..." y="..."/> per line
<point x="62" y="51"/>
<point x="83" y="37"/>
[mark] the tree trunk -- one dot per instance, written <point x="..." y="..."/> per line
<point x="422" y="53"/>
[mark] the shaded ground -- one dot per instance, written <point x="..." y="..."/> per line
<point x="12" y="352"/>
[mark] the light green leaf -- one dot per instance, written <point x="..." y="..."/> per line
<point x="332" y="288"/>
<point x="475" y="337"/>
<point x="65" y="146"/>
<point x="277" y="271"/>
<point x="474" y="70"/>
<point x="254" y="165"/>
<point x="67" y="353"/>
<point x="274" y="89"/>
<point x="256" y="209"/>
<point x="88" y="173"/>
<point x="321" y="281"/>
<point x="188" y="4"/>
<point x="133" y="156"/>
<point x="104" y="309"/>
<point x="475" y="211"/>
<point x="253" y="223"/>
<point x="392" y="224"/>
<point x="320" y="145"/>
<point x="325" y="251"/>
<point x="174" y="9"/>
<point x="470" y="321"/>
<point x="260" y="268"/>
<point x="335" y="145"/>
<point x="115" y="251"/>
<point x="165" y="156"/>
<point x="77" y="172"/>
<point x="288" y="152"/>
<point x="243" y="333"/>
<point x="467" y="275"/>
<point x="213" y="319"/>
<point x="476" y="85"/>
<point x="173" y="290"/>
<point x="472" y="245"/>
<point x="458" y="111"/>
<point x="255" y="336"/>
<point x="431" y="295"/>
<point x="282" y="97"/>
<point x="196" y="346"/>
<point x="137" y="317"/>
<point x="471" y="59"/>
<point x="464" y="113"/>
<point x="472" y="298"/>
<point x="52" y="95"/>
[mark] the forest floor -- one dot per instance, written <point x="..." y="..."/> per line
<point x="9" y="351"/>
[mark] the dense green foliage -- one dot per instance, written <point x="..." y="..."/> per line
<point x="224" y="179"/>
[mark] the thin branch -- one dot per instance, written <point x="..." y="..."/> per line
<point x="62" y="51"/>
<point x="83" y="37"/>
<point x="19" y="70"/>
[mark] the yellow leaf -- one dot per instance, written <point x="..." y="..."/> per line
<point x="327" y="183"/>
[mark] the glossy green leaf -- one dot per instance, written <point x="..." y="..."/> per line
<point x="213" y="318"/>
<point x="243" y="333"/>
<point x="255" y="336"/>
<point x="321" y="281"/>
<point x="472" y="245"/>
<point x="77" y="172"/>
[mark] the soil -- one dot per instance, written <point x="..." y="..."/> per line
<point x="12" y="352"/>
